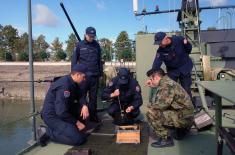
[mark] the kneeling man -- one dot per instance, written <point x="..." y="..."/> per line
<point x="172" y="108"/>
<point x="125" y="93"/>
<point x="65" y="110"/>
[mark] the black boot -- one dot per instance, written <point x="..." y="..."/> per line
<point x="43" y="138"/>
<point x="163" y="143"/>
<point x="179" y="133"/>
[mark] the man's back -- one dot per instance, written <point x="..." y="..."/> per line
<point x="62" y="90"/>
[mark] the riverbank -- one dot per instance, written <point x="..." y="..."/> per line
<point x="19" y="71"/>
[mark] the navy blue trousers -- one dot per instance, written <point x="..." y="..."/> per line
<point x="93" y="85"/>
<point x="185" y="81"/>
<point x="63" y="132"/>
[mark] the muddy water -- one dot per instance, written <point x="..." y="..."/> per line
<point x="15" y="134"/>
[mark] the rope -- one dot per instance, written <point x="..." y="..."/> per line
<point x="120" y="106"/>
<point x="219" y="16"/>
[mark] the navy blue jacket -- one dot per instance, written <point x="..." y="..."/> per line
<point x="175" y="56"/>
<point x="88" y="54"/>
<point x="62" y="97"/>
<point x="131" y="96"/>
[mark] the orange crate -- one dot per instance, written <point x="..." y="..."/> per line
<point x="128" y="134"/>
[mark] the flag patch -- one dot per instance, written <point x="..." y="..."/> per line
<point x="66" y="93"/>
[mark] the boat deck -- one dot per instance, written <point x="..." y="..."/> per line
<point x="195" y="143"/>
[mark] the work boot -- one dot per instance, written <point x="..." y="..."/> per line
<point x="179" y="133"/>
<point x="153" y="135"/>
<point x="43" y="138"/>
<point x="163" y="143"/>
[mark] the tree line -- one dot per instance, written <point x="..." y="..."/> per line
<point x="14" y="47"/>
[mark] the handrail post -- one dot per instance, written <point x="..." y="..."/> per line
<point x="31" y="71"/>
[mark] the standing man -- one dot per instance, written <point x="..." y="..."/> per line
<point x="174" y="52"/>
<point x="88" y="52"/>
<point x="125" y="93"/>
<point x="65" y="110"/>
<point x="172" y="108"/>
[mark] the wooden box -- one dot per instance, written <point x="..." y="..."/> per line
<point x="128" y="134"/>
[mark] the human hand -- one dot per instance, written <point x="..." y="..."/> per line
<point x="115" y="93"/>
<point x="149" y="83"/>
<point x="84" y="112"/>
<point x="129" y="109"/>
<point x="80" y="125"/>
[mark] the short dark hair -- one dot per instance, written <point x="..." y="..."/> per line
<point x="160" y="72"/>
<point x="155" y="71"/>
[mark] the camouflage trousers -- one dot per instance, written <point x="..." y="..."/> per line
<point x="159" y="120"/>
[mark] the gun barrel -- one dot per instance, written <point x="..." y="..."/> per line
<point x="70" y="22"/>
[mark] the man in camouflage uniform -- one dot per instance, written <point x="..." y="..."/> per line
<point x="172" y="107"/>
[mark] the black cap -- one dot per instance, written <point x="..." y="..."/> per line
<point x="91" y="31"/>
<point x="159" y="37"/>
<point x="123" y="76"/>
<point x="153" y="70"/>
<point x="80" y="68"/>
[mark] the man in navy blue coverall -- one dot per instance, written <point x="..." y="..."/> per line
<point x="174" y="52"/>
<point x="126" y="90"/>
<point x="88" y="52"/>
<point x="65" y="110"/>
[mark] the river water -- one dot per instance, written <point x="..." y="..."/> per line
<point x="14" y="135"/>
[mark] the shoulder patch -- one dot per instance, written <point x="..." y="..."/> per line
<point x="110" y="83"/>
<point x="137" y="88"/>
<point x="66" y="93"/>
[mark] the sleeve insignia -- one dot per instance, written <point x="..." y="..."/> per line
<point x="66" y="93"/>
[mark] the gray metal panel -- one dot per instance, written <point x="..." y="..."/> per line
<point x="227" y="91"/>
<point x="218" y="35"/>
<point x="230" y="64"/>
<point x="223" y="49"/>
<point x="145" y="54"/>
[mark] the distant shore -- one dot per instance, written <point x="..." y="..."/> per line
<point x="19" y="71"/>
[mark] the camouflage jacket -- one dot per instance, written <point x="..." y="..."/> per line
<point x="171" y="96"/>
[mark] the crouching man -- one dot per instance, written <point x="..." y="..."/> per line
<point x="65" y="110"/>
<point x="172" y="109"/>
<point x="125" y="94"/>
